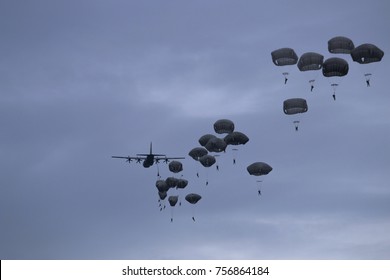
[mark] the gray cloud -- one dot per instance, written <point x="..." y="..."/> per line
<point x="82" y="81"/>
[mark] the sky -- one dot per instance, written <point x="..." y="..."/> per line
<point x="81" y="81"/>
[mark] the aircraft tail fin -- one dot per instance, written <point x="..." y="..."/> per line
<point x="151" y="152"/>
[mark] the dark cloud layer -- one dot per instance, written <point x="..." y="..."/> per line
<point x="83" y="80"/>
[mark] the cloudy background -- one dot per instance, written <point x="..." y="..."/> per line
<point x="81" y="81"/>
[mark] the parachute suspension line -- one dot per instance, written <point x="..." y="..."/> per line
<point x="335" y="69"/>
<point x="285" y="74"/>
<point x="175" y="190"/>
<point x="234" y="155"/>
<point x="197" y="168"/>
<point x="161" y="204"/>
<point x="179" y="200"/>
<point x="313" y="80"/>
<point x="171" y="214"/>
<point x="259" y="187"/>
<point x="158" y="171"/>
<point x="207" y="176"/>
<point x="368" y="77"/>
<point x="284" y="57"/>
<point x="334" y="86"/>
<point x="296" y="124"/>
<point x="193" y="199"/>
<point x="193" y="213"/>
<point x="259" y="169"/>
<point x="310" y="63"/>
<point x="216" y="162"/>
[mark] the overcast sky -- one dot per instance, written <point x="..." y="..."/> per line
<point x="81" y="81"/>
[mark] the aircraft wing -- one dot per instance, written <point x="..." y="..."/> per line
<point x="175" y="157"/>
<point x="166" y="159"/>
<point x="138" y="159"/>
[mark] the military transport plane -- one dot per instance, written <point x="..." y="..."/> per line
<point x="148" y="159"/>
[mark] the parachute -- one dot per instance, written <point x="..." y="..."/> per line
<point x="162" y="186"/>
<point x="175" y="166"/>
<point x="310" y="61"/>
<point x="181" y="183"/>
<point x="207" y="160"/>
<point x="367" y="53"/>
<point x="172" y="201"/>
<point x="340" y="44"/>
<point x="205" y="138"/>
<point x="284" y="57"/>
<point x="216" y="145"/>
<point x="335" y="67"/>
<point x="193" y="198"/>
<point x="236" y="138"/>
<point x="223" y="126"/>
<point x="259" y="169"/>
<point x="162" y="195"/>
<point x="197" y="153"/>
<point x="294" y="106"/>
<point x="171" y="182"/>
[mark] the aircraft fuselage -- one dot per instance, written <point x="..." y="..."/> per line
<point x="148" y="159"/>
<point x="148" y="162"/>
